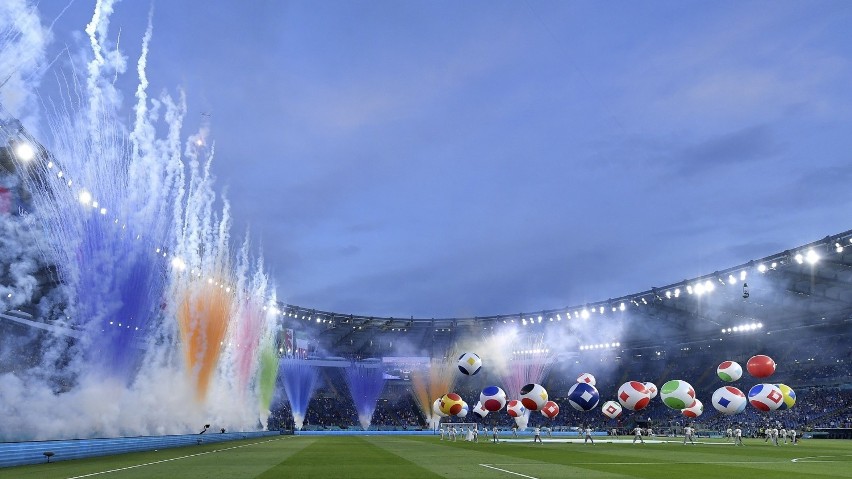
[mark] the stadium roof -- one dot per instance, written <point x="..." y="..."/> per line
<point x="806" y="286"/>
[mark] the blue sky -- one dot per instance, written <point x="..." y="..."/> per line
<point x="444" y="159"/>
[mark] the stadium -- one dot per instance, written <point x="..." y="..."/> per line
<point x="139" y="339"/>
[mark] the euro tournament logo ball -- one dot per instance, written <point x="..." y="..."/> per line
<point x="694" y="410"/>
<point x="492" y="398"/>
<point x="533" y="396"/>
<point x="451" y="404"/>
<point x="766" y="397"/>
<point x="760" y="366"/>
<point x="583" y="397"/>
<point x="652" y="389"/>
<point x="586" y="378"/>
<point x="464" y="410"/>
<point x="550" y="410"/>
<point x="729" y="400"/>
<point x="789" y="397"/>
<point x="677" y="394"/>
<point x="633" y="396"/>
<point x="515" y="408"/>
<point x="436" y="408"/>
<point x="729" y="371"/>
<point x="470" y="363"/>
<point x="611" y="409"/>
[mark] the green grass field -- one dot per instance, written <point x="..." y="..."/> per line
<point x="394" y="457"/>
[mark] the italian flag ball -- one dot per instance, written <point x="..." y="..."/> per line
<point x="677" y="394"/>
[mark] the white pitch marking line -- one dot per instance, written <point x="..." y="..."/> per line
<point x="818" y="458"/>
<point x="168" y="460"/>
<point x="509" y="472"/>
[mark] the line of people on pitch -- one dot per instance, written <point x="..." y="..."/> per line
<point x="471" y="434"/>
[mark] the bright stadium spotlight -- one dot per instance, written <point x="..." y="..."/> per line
<point x="812" y="257"/>
<point x="699" y="289"/>
<point x="585" y="314"/>
<point x="668" y="294"/>
<point x="689" y="289"/>
<point x="24" y="151"/>
<point x="677" y="293"/>
<point x="761" y="267"/>
<point x="178" y="264"/>
<point x="709" y="286"/>
<point x="731" y="279"/>
<point x="743" y="275"/>
<point x="838" y="247"/>
<point x="799" y="258"/>
<point x="85" y="197"/>
<point x="621" y="307"/>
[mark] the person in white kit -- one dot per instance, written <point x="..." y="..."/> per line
<point x="774" y="435"/>
<point x="783" y="433"/>
<point x="729" y="435"/>
<point x="738" y="437"/>
<point x="649" y="432"/>
<point x="443" y="431"/>
<point x="687" y="434"/>
<point x="588" y="438"/>
<point x="637" y="434"/>
<point x="537" y="434"/>
<point x="494" y="437"/>
<point x="476" y="433"/>
<point x="793" y="440"/>
<point x="453" y="433"/>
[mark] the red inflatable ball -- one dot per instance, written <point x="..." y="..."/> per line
<point x="761" y="366"/>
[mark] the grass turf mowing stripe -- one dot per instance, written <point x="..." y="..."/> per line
<point x="347" y="457"/>
<point x="232" y="462"/>
<point x="652" y="461"/>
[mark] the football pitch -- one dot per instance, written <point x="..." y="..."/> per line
<point x="329" y="457"/>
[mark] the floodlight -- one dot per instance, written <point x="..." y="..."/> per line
<point x="799" y="258"/>
<point x="761" y="267"/>
<point x="85" y="197"/>
<point x="812" y="256"/>
<point x="731" y="279"/>
<point x="24" y="152"/>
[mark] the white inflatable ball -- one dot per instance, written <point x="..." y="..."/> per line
<point x="515" y="408"/>
<point x="633" y="396"/>
<point x="677" y="394"/>
<point x="586" y="378"/>
<point x="694" y="410"/>
<point x="652" y="389"/>
<point x="479" y="410"/>
<point x="533" y="396"/>
<point x="436" y="408"/>
<point x="464" y="410"/>
<point x="729" y="400"/>
<point x="611" y="409"/>
<point x="492" y="398"/>
<point x="766" y="397"/>
<point x="729" y="371"/>
<point x="470" y="363"/>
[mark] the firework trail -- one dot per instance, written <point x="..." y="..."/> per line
<point x="365" y="385"/>
<point x="153" y="290"/>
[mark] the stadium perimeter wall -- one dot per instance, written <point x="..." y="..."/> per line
<point x="32" y="452"/>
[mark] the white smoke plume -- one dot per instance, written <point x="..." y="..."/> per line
<point x="22" y="59"/>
